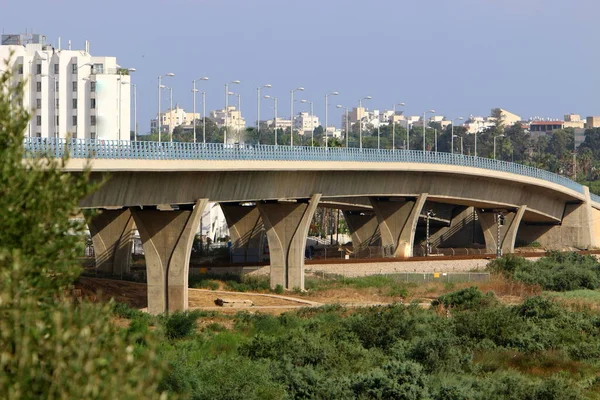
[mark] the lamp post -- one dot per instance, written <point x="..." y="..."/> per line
<point x="461" y="146"/>
<point x="300" y="89"/>
<point x="267" y="86"/>
<point x="499" y="222"/>
<point x="326" y="116"/>
<point x="312" y="112"/>
<point x="239" y="108"/>
<point x="194" y="91"/>
<point x="170" y="109"/>
<point x="204" y="117"/>
<point x="425" y="125"/>
<point x="495" y="137"/>
<point x="360" y="119"/>
<point x="394" y="127"/>
<point x="346" y="114"/>
<point x="237" y="82"/>
<point x="121" y="83"/>
<point x="452" y="135"/>
<point x="134" y="87"/>
<point x="274" y="115"/>
<point x="159" y="120"/>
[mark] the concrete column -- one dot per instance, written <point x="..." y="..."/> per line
<point x="508" y="231"/>
<point x="398" y="222"/>
<point x="246" y="231"/>
<point x="363" y="227"/>
<point x="167" y="238"/>
<point x="112" y="237"/>
<point x="287" y="224"/>
<point x="462" y="232"/>
<point x="576" y="230"/>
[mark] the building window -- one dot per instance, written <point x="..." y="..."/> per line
<point x="92" y="135"/>
<point x="20" y="69"/>
<point x="38" y="69"/>
<point x="38" y="104"/>
<point x="74" y="135"/>
<point x="92" y="86"/>
<point x="57" y="101"/>
<point x="38" y="120"/>
<point x="56" y="69"/>
<point x="56" y="85"/>
<point x="74" y="68"/>
<point x="38" y="87"/>
<point x="98" y="69"/>
<point x="57" y="120"/>
<point x="92" y="103"/>
<point x="93" y="120"/>
<point x="39" y="134"/>
<point x="74" y="104"/>
<point x="74" y="120"/>
<point x="75" y="86"/>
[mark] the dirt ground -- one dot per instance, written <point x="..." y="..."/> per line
<point x="134" y="294"/>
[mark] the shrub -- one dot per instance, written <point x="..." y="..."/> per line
<point x="179" y="325"/>
<point x="464" y="299"/>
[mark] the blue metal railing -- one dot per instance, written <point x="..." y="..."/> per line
<point x="143" y="150"/>
<point x="595" y="198"/>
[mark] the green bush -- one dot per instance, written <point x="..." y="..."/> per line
<point x="463" y="299"/>
<point x="179" y="325"/>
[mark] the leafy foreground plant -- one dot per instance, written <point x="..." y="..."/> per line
<point x="51" y="348"/>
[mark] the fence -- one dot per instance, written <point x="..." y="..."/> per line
<point x="120" y="149"/>
<point x="406" y="277"/>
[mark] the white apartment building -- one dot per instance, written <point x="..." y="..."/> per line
<point x="304" y="123"/>
<point x="174" y="117"/>
<point x="69" y="92"/>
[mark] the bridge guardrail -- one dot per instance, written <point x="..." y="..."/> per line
<point x="595" y="198"/>
<point x="143" y="150"/>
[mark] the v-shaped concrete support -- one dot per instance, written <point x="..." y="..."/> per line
<point x="287" y="225"/>
<point x="508" y="231"/>
<point x="112" y="237"/>
<point x="167" y="238"/>
<point x="363" y="227"/>
<point x="246" y="231"/>
<point x="398" y="222"/>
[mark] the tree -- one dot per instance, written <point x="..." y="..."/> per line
<point x="52" y="348"/>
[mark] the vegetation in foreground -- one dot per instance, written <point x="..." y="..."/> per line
<point x="50" y="347"/>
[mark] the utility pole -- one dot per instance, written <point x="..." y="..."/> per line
<point x="430" y="214"/>
<point x="499" y="223"/>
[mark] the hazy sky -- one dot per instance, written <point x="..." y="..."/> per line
<point x="460" y="57"/>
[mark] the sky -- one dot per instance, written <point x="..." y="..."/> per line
<point x="459" y="57"/>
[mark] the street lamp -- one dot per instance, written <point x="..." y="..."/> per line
<point x="346" y="111"/>
<point x="170" y="109"/>
<point x="267" y="86"/>
<point x="500" y="218"/>
<point x="327" y="116"/>
<point x="237" y="82"/>
<point x="495" y="137"/>
<point x="159" y="110"/>
<point x="452" y="134"/>
<point x="394" y="126"/>
<point x="300" y="89"/>
<point x="360" y="119"/>
<point x="312" y="112"/>
<point x="134" y="87"/>
<point x="275" y="115"/>
<point x="239" y="107"/>
<point x="119" y="114"/>
<point x="194" y="91"/>
<point x="425" y="126"/>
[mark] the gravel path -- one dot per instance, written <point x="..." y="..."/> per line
<point x="362" y="269"/>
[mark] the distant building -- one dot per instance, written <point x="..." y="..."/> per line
<point x="172" y="118"/>
<point x="69" y="92"/>
<point x="573" y="121"/>
<point x="545" y="126"/>
<point x="305" y="123"/>
<point x="236" y="124"/>
<point x="508" y="118"/>
<point x="592" y="122"/>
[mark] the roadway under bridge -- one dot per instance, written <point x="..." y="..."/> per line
<point x="161" y="189"/>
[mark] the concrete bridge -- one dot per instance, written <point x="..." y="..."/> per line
<point x="162" y="189"/>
